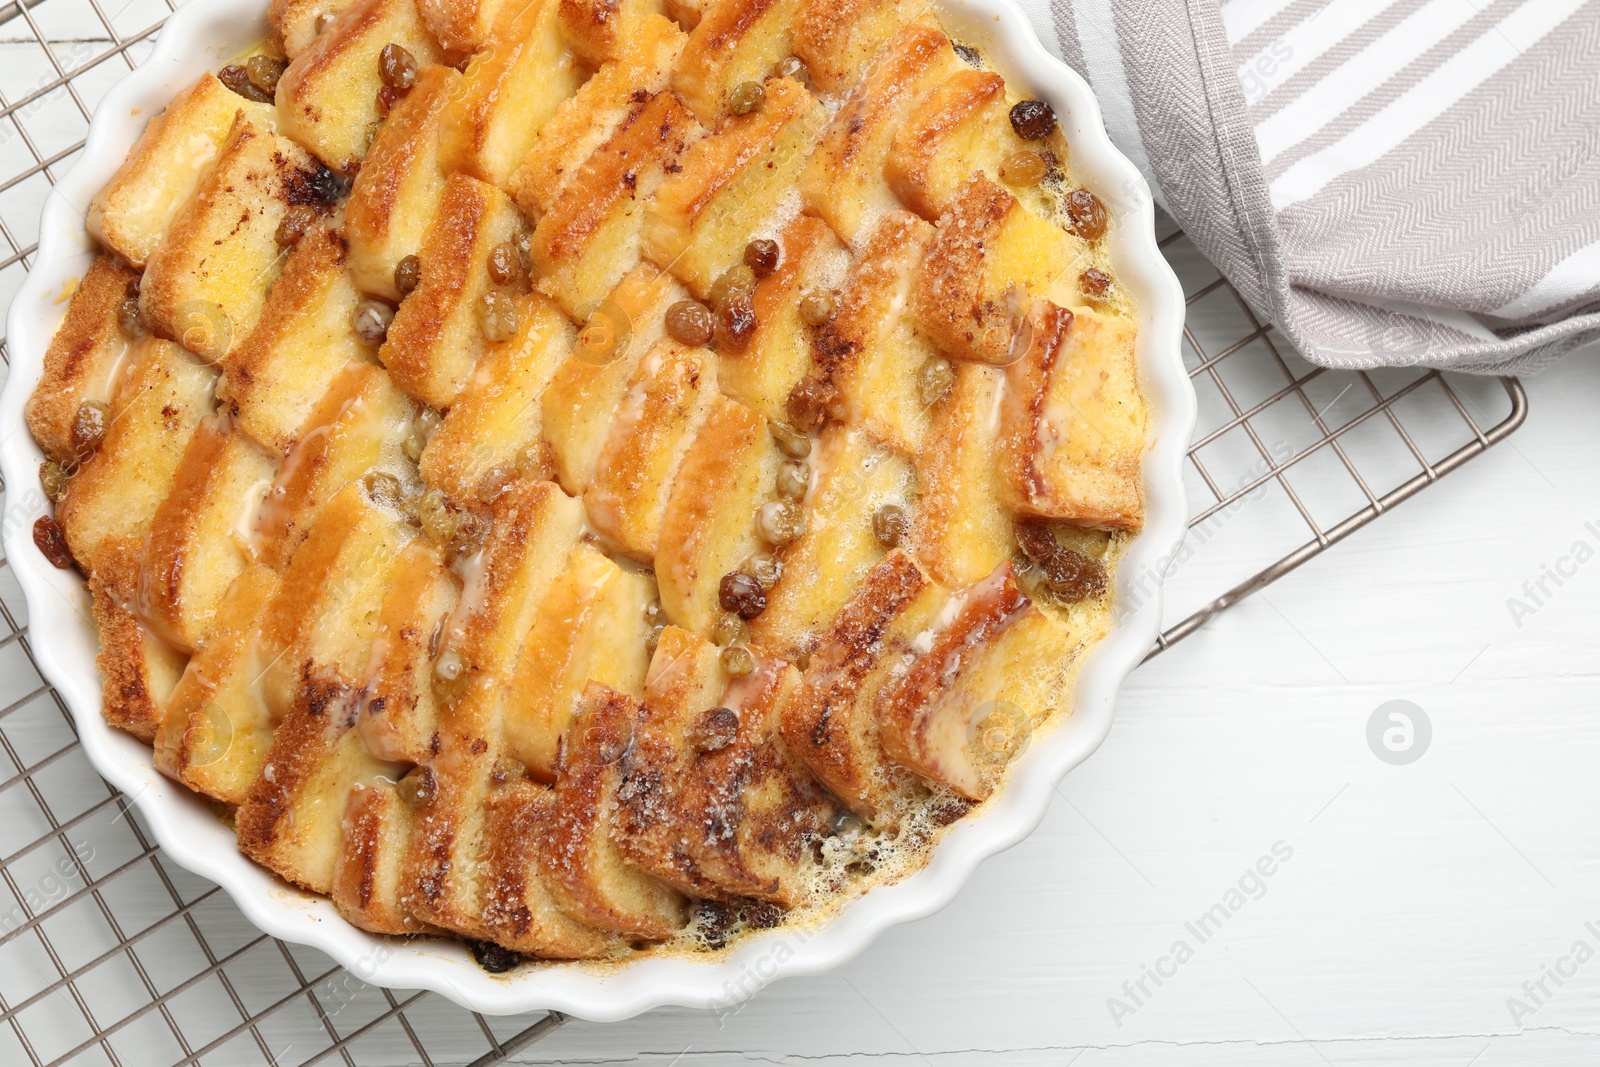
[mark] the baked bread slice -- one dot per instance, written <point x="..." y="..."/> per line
<point x="595" y="477"/>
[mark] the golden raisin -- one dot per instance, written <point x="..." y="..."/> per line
<point x="890" y="524"/>
<point x="765" y="568"/>
<point x="811" y="402"/>
<point x="779" y="522"/>
<point x="1095" y="283"/>
<point x="497" y="316"/>
<point x="737" y="280"/>
<point x="506" y="769"/>
<point x="794" y="478"/>
<point x="934" y="380"/>
<point x="383" y="489"/>
<point x="1023" y="169"/>
<point x="130" y="320"/>
<point x="237" y="78"/>
<point x="89" y="427"/>
<point x="1087" y="213"/>
<point x="53" y="478"/>
<point x="505" y="263"/>
<point x="49" y="540"/>
<point x="817" y="307"/>
<point x="689" y="322"/>
<point x="264" y="72"/>
<point x="407" y="274"/>
<point x="737" y="661"/>
<point x="417" y="789"/>
<point x="397" y="67"/>
<point x="793" y="67"/>
<point x="790" y="441"/>
<point x="746" y="97"/>
<point x="727" y="630"/>
<point x="761" y="256"/>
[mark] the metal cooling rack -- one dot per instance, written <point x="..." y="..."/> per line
<point x="111" y="954"/>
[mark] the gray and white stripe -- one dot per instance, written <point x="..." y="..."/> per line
<point x="1391" y="181"/>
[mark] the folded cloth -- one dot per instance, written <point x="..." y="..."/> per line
<point x="1390" y="182"/>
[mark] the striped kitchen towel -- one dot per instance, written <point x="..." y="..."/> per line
<point x="1390" y="182"/>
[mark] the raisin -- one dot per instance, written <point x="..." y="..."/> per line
<point x="714" y="730"/>
<point x="1068" y="574"/>
<point x="810" y="403"/>
<point x="1023" y="169"/>
<point x="505" y="263"/>
<point x="264" y="72"/>
<point x="49" y="539"/>
<point x="1095" y="283"/>
<point x="1087" y="213"/>
<point x="1032" y="119"/>
<point x="397" y="67"/>
<point x="890" y="524"/>
<point x="407" y="274"/>
<point x="742" y="594"/>
<point x="689" y="322"/>
<point x="496" y="959"/>
<point x="817" y="307"/>
<point x="296" y="221"/>
<point x="761" y="256"/>
<point x="237" y="78"/>
<point x="738" y="321"/>
<point x="746" y="97"/>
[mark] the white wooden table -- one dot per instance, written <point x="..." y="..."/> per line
<point x="1418" y="899"/>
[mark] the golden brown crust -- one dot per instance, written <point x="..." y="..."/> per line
<point x="195" y="547"/>
<point x="519" y="910"/>
<point x="328" y="97"/>
<point x="206" y="283"/>
<point x="734" y="41"/>
<point x="830" y="725"/>
<point x="730" y="184"/>
<point x="1073" y="427"/>
<point x="515" y="82"/>
<point x="216" y="728"/>
<point x="131" y="214"/>
<point x="965" y="99"/>
<point x="588" y="238"/>
<point x="86" y="351"/>
<point x="845" y="182"/>
<point x="602" y="29"/>
<point x="838" y="38"/>
<point x="160" y="400"/>
<point x="303" y="340"/>
<point x="586" y="874"/>
<point x="138" y="670"/>
<point x="435" y="339"/>
<point x="397" y="192"/>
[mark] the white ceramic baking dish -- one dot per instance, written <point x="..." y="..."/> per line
<point x="201" y="36"/>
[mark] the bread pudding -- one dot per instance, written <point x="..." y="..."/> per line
<point x="594" y="477"/>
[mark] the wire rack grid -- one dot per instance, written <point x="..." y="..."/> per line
<point x="110" y="954"/>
